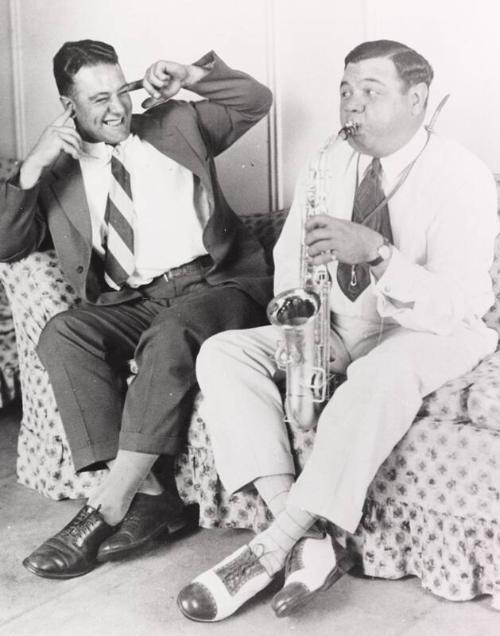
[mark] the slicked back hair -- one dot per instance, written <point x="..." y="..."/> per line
<point x="72" y="56"/>
<point x="412" y="68"/>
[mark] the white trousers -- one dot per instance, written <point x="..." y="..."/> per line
<point x="358" y="428"/>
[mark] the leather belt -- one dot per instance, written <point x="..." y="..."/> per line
<point x="200" y="263"/>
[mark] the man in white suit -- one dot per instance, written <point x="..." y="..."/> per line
<point x="407" y="238"/>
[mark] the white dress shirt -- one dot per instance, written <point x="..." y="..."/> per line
<point x="444" y="223"/>
<point x="167" y="230"/>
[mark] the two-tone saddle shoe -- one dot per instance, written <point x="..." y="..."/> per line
<point x="313" y="565"/>
<point x="220" y="591"/>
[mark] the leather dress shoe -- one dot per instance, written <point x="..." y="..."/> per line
<point x="219" y="592"/>
<point x="147" y="518"/>
<point x="72" y="551"/>
<point x="313" y="565"/>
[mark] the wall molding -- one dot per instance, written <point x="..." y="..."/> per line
<point x="274" y="128"/>
<point x="17" y="77"/>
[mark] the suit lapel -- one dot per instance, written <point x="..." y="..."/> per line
<point x="68" y="187"/>
<point x="173" y="143"/>
<point x="69" y="191"/>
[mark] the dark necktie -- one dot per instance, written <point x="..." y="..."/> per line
<point x="354" y="279"/>
<point x="119" y="259"/>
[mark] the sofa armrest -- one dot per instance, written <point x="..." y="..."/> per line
<point x="9" y="364"/>
<point x="266" y="228"/>
<point x="483" y="402"/>
<point x="37" y="290"/>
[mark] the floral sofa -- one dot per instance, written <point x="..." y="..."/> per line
<point x="9" y="364"/>
<point x="433" y="509"/>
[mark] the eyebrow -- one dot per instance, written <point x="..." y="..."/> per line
<point x="101" y="94"/>
<point x="123" y="88"/>
<point x="363" y="79"/>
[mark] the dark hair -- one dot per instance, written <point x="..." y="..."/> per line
<point x="412" y="67"/>
<point x="73" y="55"/>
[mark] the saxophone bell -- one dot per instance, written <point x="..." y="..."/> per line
<point x="349" y="129"/>
<point x="293" y="308"/>
<point x="296" y="312"/>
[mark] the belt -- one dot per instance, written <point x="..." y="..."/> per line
<point x="202" y="262"/>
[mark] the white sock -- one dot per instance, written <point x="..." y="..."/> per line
<point x="128" y="472"/>
<point x="274" y="544"/>
<point x="274" y="491"/>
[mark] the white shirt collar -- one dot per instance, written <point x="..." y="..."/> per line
<point x="393" y="165"/>
<point x="101" y="151"/>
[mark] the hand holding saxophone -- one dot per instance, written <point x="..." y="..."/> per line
<point x="329" y="239"/>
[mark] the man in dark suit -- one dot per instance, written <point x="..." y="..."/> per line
<point x="160" y="262"/>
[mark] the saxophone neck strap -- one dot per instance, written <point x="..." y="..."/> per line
<point x="406" y="171"/>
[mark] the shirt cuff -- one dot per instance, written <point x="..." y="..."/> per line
<point x="399" y="281"/>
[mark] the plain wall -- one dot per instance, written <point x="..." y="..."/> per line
<point x="143" y="32"/>
<point x="7" y="120"/>
<point x="458" y="37"/>
<point x="295" y="46"/>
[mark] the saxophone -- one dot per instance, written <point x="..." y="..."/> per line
<point x="303" y="314"/>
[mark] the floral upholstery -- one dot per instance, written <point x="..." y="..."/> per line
<point x="9" y="365"/>
<point x="433" y="509"/>
<point x="7" y="169"/>
<point x="37" y="290"/>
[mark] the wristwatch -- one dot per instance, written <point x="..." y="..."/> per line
<point x="384" y="253"/>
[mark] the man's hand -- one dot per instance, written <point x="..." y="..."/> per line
<point x="335" y="239"/>
<point x="164" y="80"/>
<point x="60" y="136"/>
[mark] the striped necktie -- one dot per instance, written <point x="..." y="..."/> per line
<point x="119" y="259"/>
<point x="354" y="279"/>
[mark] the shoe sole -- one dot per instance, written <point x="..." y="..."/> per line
<point x="344" y="565"/>
<point x="172" y="527"/>
<point x="55" y="575"/>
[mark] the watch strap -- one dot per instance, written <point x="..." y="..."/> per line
<point x="379" y="259"/>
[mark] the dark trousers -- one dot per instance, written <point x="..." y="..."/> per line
<point x="84" y="351"/>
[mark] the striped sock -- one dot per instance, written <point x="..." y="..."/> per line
<point x="273" y="545"/>
<point x="274" y="491"/>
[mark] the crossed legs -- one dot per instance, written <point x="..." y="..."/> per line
<point x="357" y="430"/>
<point x="128" y="429"/>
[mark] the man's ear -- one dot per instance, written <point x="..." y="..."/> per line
<point x="418" y="97"/>
<point x="67" y="104"/>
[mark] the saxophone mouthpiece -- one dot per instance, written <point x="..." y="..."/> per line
<point x="349" y="129"/>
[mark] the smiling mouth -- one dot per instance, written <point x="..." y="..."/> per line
<point x="114" y="123"/>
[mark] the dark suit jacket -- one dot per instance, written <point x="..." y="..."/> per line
<point x="191" y="133"/>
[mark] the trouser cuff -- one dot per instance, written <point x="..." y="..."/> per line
<point x="84" y="458"/>
<point x="152" y="445"/>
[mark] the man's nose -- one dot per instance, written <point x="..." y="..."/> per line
<point x="355" y="104"/>
<point x="116" y="106"/>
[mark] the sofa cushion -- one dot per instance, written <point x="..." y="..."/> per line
<point x="7" y="168"/>
<point x="473" y="397"/>
<point x="483" y="402"/>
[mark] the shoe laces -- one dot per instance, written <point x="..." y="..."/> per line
<point x="239" y="570"/>
<point x="80" y="525"/>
